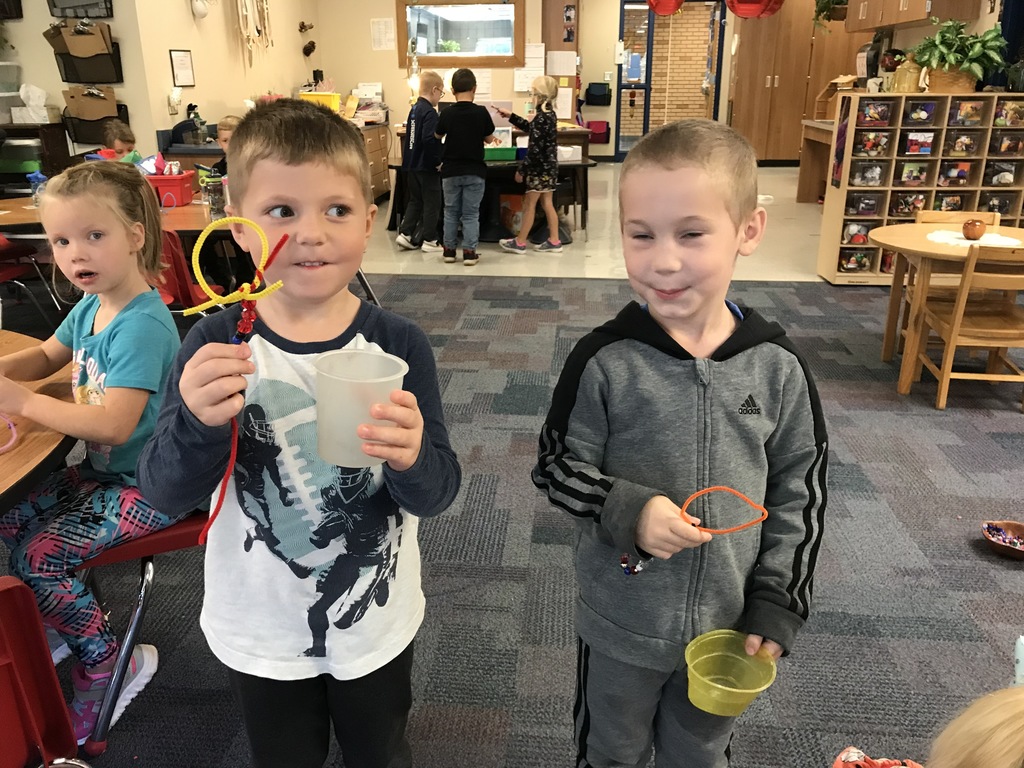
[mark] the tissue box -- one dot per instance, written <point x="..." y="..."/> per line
<point x="45" y="114"/>
<point x="89" y="107"/>
<point x="570" y="153"/>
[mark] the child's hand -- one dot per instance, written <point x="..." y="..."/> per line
<point x="398" y="445"/>
<point x="12" y="396"/>
<point x="211" y="382"/>
<point x="492" y="139"/>
<point x="663" y="531"/>
<point x="519" y="177"/>
<point x="755" y="643"/>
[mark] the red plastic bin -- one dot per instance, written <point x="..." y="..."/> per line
<point x="599" y="133"/>
<point x="173" y="190"/>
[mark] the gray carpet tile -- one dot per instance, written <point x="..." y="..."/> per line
<point x="913" y="615"/>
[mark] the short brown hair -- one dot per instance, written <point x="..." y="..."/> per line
<point x="721" y="152"/>
<point x="463" y="80"/>
<point x="293" y="132"/>
<point x="115" y="130"/>
<point x="126" y="191"/>
<point x="228" y="123"/>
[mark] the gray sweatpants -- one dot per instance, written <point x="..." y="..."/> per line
<point x="623" y="711"/>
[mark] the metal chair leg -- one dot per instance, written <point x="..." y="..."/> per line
<point x="32" y="298"/>
<point x="96" y="744"/>
<point x="366" y="287"/>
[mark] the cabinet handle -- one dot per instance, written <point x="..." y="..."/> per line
<point x="776" y="81"/>
<point x="767" y="81"/>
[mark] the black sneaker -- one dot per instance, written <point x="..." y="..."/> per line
<point x="449" y="255"/>
<point x="469" y="258"/>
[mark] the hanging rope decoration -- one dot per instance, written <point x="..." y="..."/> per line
<point x="14" y="433"/>
<point x="247" y="294"/>
<point x="254" y="25"/>
<point x="632" y="570"/>
<point x="754" y="9"/>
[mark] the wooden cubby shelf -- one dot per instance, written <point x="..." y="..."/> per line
<point x="900" y="153"/>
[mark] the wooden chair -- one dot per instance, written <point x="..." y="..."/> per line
<point x="993" y="325"/>
<point x="936" y="293"/>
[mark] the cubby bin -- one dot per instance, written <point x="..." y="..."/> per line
<point x="959" y="173"/>
<point x="958" y="200"/>
<point x="920" y="113"/>
<point x="963" y="142"/>
<point x="917" y="142"/>
<point x="904" y="204"/>
<point x="914" y="173"/>
<point x="876" y="113"/>
<point x="1002" y="173"/>
<point x="873" y="143"/>
<point x="1009" y="112"/>
<point x="1007" y="144"/>
<point x="1005" y="203"/>
<point x="969" y="113"/>
<point x="92" y="70"/>
<point x="870" y="173"/>
<point x="857" y="259"/>
<point x="865" y="204"/>
<point x="855" y="232"/>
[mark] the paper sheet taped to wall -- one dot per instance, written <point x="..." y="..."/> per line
<point x="382" y="34"/>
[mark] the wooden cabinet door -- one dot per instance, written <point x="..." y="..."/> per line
<point x="753" y="78"/>
<point x="867" y="14"/>
<point x="789" y="80"/>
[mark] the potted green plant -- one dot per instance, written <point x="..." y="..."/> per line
<point x="957" y="60"/>
<point x="829" y="10"/>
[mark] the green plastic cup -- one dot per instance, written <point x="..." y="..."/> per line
<point x="722" y="678"/>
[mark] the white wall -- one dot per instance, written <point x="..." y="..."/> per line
<point x="908" y="38"/>
<point x="599" y="31"/>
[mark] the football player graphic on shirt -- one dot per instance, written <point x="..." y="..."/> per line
<point x="326" y="523"/>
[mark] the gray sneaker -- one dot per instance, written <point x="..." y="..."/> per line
<point x="548" y="247"/>
<point x="58" y="648"/>
<point x="431" y="247"/>
<point x="89" y="690"/>
<point x="404" y="243"/>
<point x="512" y="245"/>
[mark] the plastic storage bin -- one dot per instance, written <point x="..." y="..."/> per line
<point x="330" y="100"/>
<point x="173" y="191"/>
<point x="598" y="131"/>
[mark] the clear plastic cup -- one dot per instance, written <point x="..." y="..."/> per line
<point x="722" y="678"/>
<point x="348" y="382"/>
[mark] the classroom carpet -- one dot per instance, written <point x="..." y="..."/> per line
<point x="913" y="615"/>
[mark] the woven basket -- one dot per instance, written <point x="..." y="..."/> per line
<point x="955" y="81"/>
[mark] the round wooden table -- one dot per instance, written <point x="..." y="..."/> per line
<point x="913" y="248"/>
<point x="38" y="450"/>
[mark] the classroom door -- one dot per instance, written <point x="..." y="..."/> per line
<point x="633" y="112"/>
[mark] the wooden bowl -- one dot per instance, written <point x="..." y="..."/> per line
<point x="1010" y="528"/>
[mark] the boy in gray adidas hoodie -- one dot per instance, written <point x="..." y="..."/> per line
<point x="681" y="393"/>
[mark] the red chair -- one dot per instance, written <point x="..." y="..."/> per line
<point x="181" y="535"/>
<point x="34" y="720"/>
<point x="178" y="281"/>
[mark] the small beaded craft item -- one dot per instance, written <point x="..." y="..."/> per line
<point x="632" y="570"/>
<point x="14" y="434"/>
<point x="247" y="294"/>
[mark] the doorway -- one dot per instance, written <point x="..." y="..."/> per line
<point x="633" y="110"/>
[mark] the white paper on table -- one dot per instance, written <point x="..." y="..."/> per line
<point x="483" y="84"/>
<point x="523" y="77"/>
<point x="382" y="34"/>
<point x="561" y="63"/>
<point x="950" y="237"/>
<point x="563" y="104"/>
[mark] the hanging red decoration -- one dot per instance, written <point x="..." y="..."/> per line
<point x="754" y="9"/>
<point x="665" y="7"/>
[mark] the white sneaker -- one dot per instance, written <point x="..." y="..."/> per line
<point x="431" y="247"/>
<point x="404" y="243"/>
<point x="58" y="648"/>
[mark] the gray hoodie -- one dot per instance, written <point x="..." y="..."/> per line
<point x="633" y="416"/>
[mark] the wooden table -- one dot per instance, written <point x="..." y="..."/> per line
<point x="913" y="248"/>
<point x="815" y="158"/>
<point x="187" y="218"/>
<point x="38" y="450"/>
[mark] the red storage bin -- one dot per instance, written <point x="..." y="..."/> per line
<point x="598" y="131"/>
<point x="174" y="190"/>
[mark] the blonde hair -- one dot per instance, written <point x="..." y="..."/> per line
<point x="429" y="79"/>
<point x="721" y="152"/>
<point x="228" y="123"/>
<point x="295" y="132"/>
<point x="546" y="87"/>
<point x="115" y="130"/>
<point x="988" y="734"/>
<point x="125" y="190"/>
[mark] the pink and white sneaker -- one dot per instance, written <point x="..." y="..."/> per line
<point x="90" y="689"/>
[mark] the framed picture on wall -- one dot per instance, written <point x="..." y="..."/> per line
<point x="181" y="69"/>
<point x="10" y="9"/>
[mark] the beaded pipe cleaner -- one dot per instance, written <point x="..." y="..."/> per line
<point x="632" y="570"/>
<point x="247" y="294"/>
<point x="14" y="433"/>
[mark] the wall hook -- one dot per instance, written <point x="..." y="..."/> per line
<point x="304" y="27"/>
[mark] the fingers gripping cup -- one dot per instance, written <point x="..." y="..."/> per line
<point x="348" y="382"/>
<point x="722" y="678"/>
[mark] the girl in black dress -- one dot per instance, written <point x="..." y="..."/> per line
<point x="540" y="168"/>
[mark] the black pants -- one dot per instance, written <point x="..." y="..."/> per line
<point x="288" y="722"/>
<point x="419" y="221"/>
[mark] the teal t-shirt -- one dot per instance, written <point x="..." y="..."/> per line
<point x="134" y="351"/>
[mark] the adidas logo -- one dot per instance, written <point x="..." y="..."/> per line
<point x="749" y="406"/>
